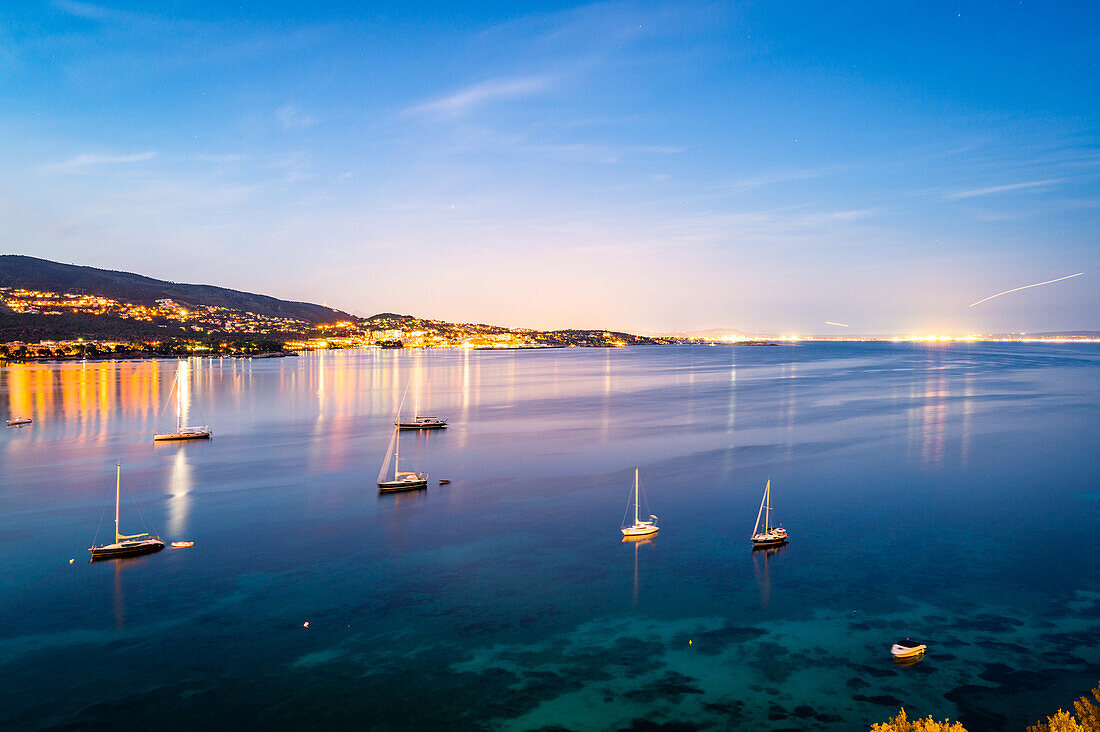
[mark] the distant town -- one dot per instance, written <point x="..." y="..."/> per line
<point x="215" y="330"/>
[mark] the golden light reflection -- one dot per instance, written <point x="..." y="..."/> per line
<point x="761" y="558"/>
<point x="118" y="601"/>
<point x="935" y="419"/>
<point x="967" y="413"/>
<point x="180" y="483"/>
<point x="606" y="417"/>
<point x="731" y="406"/>
<point x="928" y="422"/>
<point x="183" y="391"/>
<point x="85" y="395"/>
<point x="638" y="542"/>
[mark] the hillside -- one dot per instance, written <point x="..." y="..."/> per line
<point x="42" y="300"/>
<point x="31" y="273"/>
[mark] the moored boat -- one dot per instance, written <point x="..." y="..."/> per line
<point x="125" y="545"/>
<point x="421" y="423"/>
<point x="17" y="421"/>
<point x="907" y="648"/>
<point x="182" y="433"/>
<point x="418" y="422"/>
<point x="639" y="528"/>
<point x="769" y="535"/>
<point x="402" y="480"/>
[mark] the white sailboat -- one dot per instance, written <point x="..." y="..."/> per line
<point x="770" y="535"/>
<point x="419" y="422"/>
<point x="639" y="527"/>
<point x="401" y="481"/>
<point x="125" y="545"/>
<point x="182" y="433"/>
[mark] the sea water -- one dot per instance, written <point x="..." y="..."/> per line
<point x="948" y="493"/>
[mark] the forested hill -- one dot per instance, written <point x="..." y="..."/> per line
<point x="31" y="273"/>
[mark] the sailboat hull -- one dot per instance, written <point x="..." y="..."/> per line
<point x="774" y="537"/>
<point x="126" y="549"/>
<point x="395" y="486"/>
<point x="198" y="435"/>
<point x="421" y="425"/>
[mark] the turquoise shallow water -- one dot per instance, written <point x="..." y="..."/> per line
<point x="943" y="492"/>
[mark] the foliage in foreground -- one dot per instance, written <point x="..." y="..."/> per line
<point x="902" y="723"/>
<point x="1086" y="717"/>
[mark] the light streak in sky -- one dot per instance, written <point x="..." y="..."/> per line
<point x="1014" y="289"/>
<point x="829" y="322"/>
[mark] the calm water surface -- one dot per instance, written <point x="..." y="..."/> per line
<point x="949" y="493"/>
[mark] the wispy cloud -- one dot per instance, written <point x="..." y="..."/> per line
<point x="465" y="100"/>
<point x="86" y="160"/>
<point x="293" y="167"/>
<point x="290" y="117"/>
<point x="89" y="11"/>
<point x="783" y="176"/>
<point x="221" y="158"/>
<point x="974" y="192"/>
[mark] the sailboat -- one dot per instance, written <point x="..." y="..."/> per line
<point x="401" y="481"/>
<point x="125" y="545"/>
<point x="419" y="422"/>
<point x="771" y="535"/>
<point x="639" y="527"/>
<point x="182" y="433"/>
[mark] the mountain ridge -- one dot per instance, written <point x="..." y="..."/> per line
<point x="33" y="273"/>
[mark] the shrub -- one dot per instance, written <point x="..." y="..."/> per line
<point x="1086" y="717"/>
<point x="902" y="723"/>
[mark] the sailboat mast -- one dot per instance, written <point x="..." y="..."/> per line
<point x="635" y="496"/>
<point x="118" y="483"/>
<point x="768" y="506"/>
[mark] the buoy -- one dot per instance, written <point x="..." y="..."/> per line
<point x="305" y="624"/>
<point x="72" y="561"/>
<point x="689" y="642"/>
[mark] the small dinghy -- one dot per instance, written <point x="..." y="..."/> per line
<point x="908" y="649"/>
<point x="17" y="421"/>
<point x="182" y="544"/>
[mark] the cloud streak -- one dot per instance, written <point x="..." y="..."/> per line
<point x="1006" y="188"/>
<point x="467" y="99"/>
<point x="86" y="160"/>
<point x="291" y="118"/>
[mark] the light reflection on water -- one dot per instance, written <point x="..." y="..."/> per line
<point x="907" y="475"/>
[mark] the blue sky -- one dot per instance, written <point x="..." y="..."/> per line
<point x="765" y="166"/>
